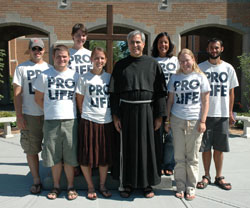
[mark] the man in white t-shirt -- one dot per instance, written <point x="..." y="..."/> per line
<point x="29" y="114"/>
<point x="55" y="93"/>
<point x="223" y="80"/>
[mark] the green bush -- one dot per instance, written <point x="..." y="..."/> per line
<point x="11" y="90"/>
<point x="239" y="124"/>
<point x="2" y="55"/>
<point x="245" y="68"/>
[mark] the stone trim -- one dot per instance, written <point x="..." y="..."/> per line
<point x="15" y="19"/>
<point x="211" y="20"/>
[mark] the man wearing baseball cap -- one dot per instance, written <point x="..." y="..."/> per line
<point x="36" y="42"/>
<point x="29" y="114"/>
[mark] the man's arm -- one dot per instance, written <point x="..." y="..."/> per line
<point x="114" y="104"/>
<point x="18" y="106"/>
<point x="39" y="98"/>
<point x="117" y="123"/>
<point x="231" y="105"/>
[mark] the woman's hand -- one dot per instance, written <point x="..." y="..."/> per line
<point x="167" y="126"/>
<point x="202" y="127"/>
<point x="157" y="123"/>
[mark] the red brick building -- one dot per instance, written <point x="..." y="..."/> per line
<point x="189" y="22"/>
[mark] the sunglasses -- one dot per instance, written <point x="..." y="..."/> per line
<point x="36" y="48"/>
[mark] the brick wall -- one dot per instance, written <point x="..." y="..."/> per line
<point x="146" y="12"/>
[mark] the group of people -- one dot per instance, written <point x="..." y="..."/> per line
<point x="165" y="108"/>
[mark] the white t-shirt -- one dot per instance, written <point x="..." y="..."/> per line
<point x="96" y="104"/>
<point x="24" y="76"/>
<point x="187" y="89"/>
<point x="80" y="60"/>
<point x="169" y="66"/>
<point x="59" y="93"/>
<point x="222" y="78"/>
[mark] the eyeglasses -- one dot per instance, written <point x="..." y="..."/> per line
<point x="36" y="48"/>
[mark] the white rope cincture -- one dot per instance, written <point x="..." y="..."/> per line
<point x="121" y="188"/>
<point x="136" y="101"/>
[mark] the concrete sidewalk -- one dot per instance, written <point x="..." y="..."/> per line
<point x="15" y="181"/>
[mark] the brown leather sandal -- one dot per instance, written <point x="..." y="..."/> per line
<point x="218" y="182"/>
<point x="202" y="184"/>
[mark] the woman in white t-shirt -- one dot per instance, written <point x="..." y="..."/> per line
<point x="162" y="51"/>
<point x="79" y="56"/>
<point x="96" y="128"/>
<point x="187" y="108"/>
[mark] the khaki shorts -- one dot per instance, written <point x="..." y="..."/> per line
<point x="60" y="142"/>
<point x="32" y="136"/>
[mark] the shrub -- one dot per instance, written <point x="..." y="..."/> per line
<point x="2" y="54"/>
<point x="245" y="68"/>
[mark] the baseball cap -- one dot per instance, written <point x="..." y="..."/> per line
<point x="36" y="42"/>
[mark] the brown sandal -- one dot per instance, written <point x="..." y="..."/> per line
<point x="71" y="194"/>
<point x="218" y="182"/>
<point x="105" y="193"/>
<point x="92" y="194"/>
<point x="36" y="188"/>
<point x="54" y="192"/>
<point x="202" y="184"/>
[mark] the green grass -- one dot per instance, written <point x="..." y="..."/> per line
<point x="239" y="123"/>
<point x="243" y="114"/>
<point x="7" y="114"/>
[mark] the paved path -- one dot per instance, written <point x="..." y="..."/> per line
<point x="15" y="180"/>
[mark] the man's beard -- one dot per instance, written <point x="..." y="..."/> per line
<point x="214" y="57"/>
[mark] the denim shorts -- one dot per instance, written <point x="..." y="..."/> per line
<point x="216" y="135"/>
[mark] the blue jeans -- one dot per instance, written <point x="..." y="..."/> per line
<point x="168" y="162"/>
<point x="168" y="152"/>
